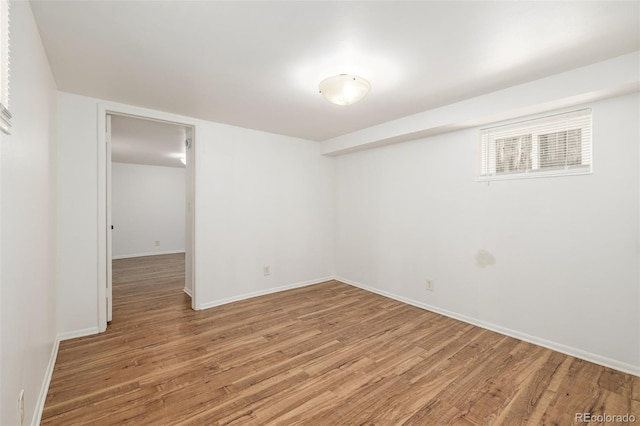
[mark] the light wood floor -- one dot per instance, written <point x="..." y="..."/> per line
<point x="327" y="354"/>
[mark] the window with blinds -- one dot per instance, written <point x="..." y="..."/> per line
<point x="5" y="115"/>
<point x="549" y="146"/>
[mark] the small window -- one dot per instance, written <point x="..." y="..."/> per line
<point x="5" y="115"/>
<point x="549" y="146"/>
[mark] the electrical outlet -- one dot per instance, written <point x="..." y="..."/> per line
<point x="21" y="408"/>
<point x="429" y="284"/>
<point x="157" y="243"/>
<point x="266" y="270"/>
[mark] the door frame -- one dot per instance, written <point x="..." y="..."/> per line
<point x="104" y="228"/>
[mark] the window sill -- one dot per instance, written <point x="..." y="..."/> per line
<point x="538" y="174"/>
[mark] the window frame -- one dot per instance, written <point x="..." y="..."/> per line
<point x="487" y="146"/>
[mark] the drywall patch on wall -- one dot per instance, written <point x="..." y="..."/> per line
<point x="484" y="259"/>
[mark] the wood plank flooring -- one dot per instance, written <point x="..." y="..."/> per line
<point x="327" y="354"/>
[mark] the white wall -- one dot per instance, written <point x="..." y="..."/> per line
<point x="77" y="286"/>
<point x="148" y="205"/>
<point x="261" y="199"/>
<point x="27" y="308"/>
<point x="566" y="271"/>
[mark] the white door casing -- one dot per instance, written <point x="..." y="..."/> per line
<point x="109" y="230"/>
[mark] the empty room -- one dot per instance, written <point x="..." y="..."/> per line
<point x="369" y="212"/>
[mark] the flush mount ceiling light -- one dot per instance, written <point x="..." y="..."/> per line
<point x="344" y="89"/>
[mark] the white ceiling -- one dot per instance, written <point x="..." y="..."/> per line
<point x="258" y="64"/>
<point x="140" y="141"/>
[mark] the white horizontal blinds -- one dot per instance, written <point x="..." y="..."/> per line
<point x="558" y="144"/>
<point x="5" y="115"/>
<point x="561" y="149"/>
<point x="513" y="154"/>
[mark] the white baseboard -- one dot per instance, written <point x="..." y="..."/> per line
<point x="44" y="389"/>
<point x="78" y="333"/>
<point x="155" y="253"/>
<point x="558" y="347"/>
<point x="208" y="305"/>
<point x="188" y="291"/>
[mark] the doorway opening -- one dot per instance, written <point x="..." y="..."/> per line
<point x="148" y="159"/>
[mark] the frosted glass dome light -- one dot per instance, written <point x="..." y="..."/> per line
<point x="344" y="89"/>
